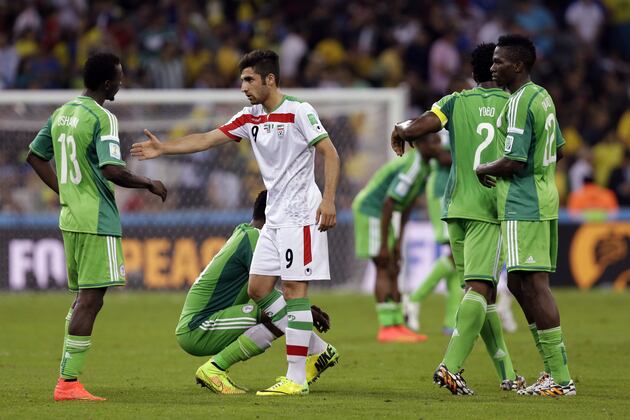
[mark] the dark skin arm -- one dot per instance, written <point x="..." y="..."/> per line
<point x="120" y="176"/>
<point x="408" y="130"/>
<point x="503" y="167"/>
<point x="44" y="170"/>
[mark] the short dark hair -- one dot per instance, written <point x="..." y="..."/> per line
<point x="259" y="206"/>
<point x="264" y="62"/>
<point x="98" y="68"/>
<point x="481" y="61"/>
<point x="521" y="49"/>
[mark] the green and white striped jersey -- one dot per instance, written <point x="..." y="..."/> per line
<point x="223" y="283"/>
<point x="470" y="116"/>
<point x="82" y="136"/>
<point x="402" y="179"/>
<point x="529" y="133"/>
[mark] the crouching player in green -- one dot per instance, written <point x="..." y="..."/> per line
<point x="444" y="267"/>
<point x="393" y="188"/>
<point x="470" y="211"/>
<point x="219" y="319"/>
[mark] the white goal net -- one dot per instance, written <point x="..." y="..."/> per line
<point x="167" y="245"/>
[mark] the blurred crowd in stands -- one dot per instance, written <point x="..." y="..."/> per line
<point x="583" y="51"/>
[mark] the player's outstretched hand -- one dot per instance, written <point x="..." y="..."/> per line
<point x="326" y="216"/>
<point x="149" y="149"/>
<point x="158" y="189"/>
<point x="321" y="320"/>
<point x="398" y="144"/>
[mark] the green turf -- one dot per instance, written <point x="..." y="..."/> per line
<point x="135" y="362"/>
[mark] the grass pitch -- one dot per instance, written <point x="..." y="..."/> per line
<point x="135" y="363"/>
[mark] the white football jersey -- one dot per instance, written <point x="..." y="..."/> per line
<point x="283" y="142"/>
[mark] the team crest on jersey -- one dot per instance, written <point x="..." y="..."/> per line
<point x="248" y="308"/>
<point x="281" y="130"/>
<point x="121" y="270"/>
<point x="509" y="140"/>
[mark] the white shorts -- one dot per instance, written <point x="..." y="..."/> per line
<point x="294" y="253"/>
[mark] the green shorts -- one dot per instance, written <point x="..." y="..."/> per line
<point x="440" y="229"/>
<point x="476" y="248"/>
<point x="93" y="260"/>
<point x="367" y="235"/>
<point x="530" y="246"/>
<point x="219" y="330"/>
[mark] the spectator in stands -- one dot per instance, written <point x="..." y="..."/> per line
<point x="586" y="18"/>
<point x="9" y="61"/>
<point x="620" y="181"/>
<point x="592" y="201"/>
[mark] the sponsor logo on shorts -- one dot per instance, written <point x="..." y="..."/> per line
<point x="308" y="271"/>
<point x="291" y="317"/>
<point x="121" y="270"/>
<point x="248" y="308"/>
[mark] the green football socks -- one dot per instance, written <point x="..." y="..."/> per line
<point x="240" y="350"/>
<point x="453" y="297"/>
<point x="442" y="269"/>
<point x="76" y="348"/>
<point x="534" y="331"/>
<point x="470" y="318"/>
<point x="389" y="314"/>
<point x="555" y="354"/>
<point x="492" y="335"/>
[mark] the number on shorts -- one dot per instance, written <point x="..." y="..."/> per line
<point x="255" y="132"/>
<point x="289" y="257"/>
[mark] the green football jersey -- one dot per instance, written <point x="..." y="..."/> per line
<point x="529" y="133"/>
<point x="223" y="283"/>
<point x="469" y="116"/>
<point x="402" y="179"/>
<point x="82" y="136"/>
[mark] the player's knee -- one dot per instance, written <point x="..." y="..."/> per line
<point x="294" y="289"/>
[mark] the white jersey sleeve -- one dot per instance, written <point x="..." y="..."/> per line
<point x="236" y="128"/>
<point x="307" y="121"/>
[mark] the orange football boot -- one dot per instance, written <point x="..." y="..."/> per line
<point x="73" y="391"/>
<point x="392" y="334"/>
<point x="418" y="338"/>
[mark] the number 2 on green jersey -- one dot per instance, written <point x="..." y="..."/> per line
<point x="550" y="144"/>
<point x="67" y="142"/>
<point x="489" y="128"/>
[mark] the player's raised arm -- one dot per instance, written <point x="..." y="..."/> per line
<point x="326" y="213"/>
<point x="404" y="131"/>
<point x="191" y="143"/>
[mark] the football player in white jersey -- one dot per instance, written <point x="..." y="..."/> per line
<point x="284" y="133"/>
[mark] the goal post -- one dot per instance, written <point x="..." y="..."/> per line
<point x="167" y="245"/>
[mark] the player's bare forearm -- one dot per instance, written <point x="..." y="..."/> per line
<point x="44" y="170"/>
<point x="327" y="214"/>
<point x="424" y="124"/>
<point x="502" y="167"/>
<point x="121" y="176"/>
<point x="191" y="143"/>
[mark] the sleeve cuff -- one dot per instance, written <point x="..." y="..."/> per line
<point x="112" y="162"/>
<point x="318" y="139"/>
<point x="230" y="135"/>
<point x="39" y="154"/>
<point x="517" y="158"/>
<point x="437" y="111"/>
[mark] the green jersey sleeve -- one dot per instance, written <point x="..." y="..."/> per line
<point x="402" y="187"/>
<point x="42" y="145"/>
<point x="519" y="130"/>
<point x="107" y="141"/>
<point x="444" y="108"/>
